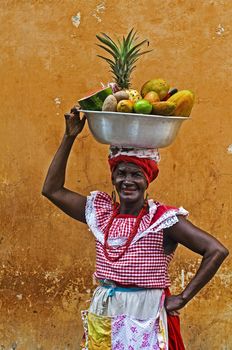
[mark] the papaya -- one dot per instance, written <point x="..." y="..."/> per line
<point x="184" y="100"/>
<point x="160" y="86"/>
<point x="163" y="108"/>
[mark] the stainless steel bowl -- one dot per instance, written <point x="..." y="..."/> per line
<point x="131" y="129"/>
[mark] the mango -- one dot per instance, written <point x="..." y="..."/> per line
<point x="125" y="106"/>
<point x="163" y="108"/>
<point x="184" y="101"/>
<point x="160" y="86"/>
<point x="152" y="96"/>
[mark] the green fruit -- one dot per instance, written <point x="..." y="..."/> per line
<point x="160" y="86"/>
<point x="95" y="101"/>
<point x="143" y="107"/>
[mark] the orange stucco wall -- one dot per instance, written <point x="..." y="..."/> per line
<point x="48" y="61"/>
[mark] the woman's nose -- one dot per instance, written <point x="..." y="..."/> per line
<point x="128" y="178"/>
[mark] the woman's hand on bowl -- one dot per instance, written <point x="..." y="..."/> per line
<point x="74" y="124"/>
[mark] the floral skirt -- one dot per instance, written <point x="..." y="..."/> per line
<point x="125" y="320"/>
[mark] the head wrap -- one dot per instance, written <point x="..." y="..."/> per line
<point x="145" y="158"/>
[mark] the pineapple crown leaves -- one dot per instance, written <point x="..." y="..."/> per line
<point x="124" y="55"/>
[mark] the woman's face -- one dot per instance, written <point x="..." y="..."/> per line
<point x="130" y="182"/>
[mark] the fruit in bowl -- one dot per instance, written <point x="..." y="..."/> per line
<point x="155" y="96"/>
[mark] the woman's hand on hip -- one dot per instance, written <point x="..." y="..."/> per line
<point x="74" y="124"/>
<point x="173" y="303"/>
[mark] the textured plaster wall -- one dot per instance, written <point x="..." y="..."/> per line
<point x="47" y="61"/>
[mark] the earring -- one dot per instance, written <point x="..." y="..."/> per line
<point x="113" y="196"/>
<point x="146" y="197"/>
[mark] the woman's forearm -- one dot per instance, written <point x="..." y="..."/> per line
<point x="213" y="254"/>
<point x="209" y="266"/>
<point x="55" y="178"/>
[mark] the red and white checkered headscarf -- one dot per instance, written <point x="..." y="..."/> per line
<point x="145" y="158"/>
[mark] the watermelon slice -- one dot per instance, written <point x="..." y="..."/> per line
<point x="95" y="101"/>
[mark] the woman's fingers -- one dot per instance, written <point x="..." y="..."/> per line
<point x="72" y="114"/>
<point x="75" y="110"/>
<point x="173" y="313"/>
<point x="67" y="116"/>
<point x="83" y="118"/>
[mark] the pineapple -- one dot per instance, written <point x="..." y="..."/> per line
<point x="124" y="55"/>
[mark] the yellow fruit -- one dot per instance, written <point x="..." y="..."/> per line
<point x="184" y="101"/>
<point x="143" y="107"/>
<point x="158" y="85"/>
<point x="152" y="96"/>
<point x="163" y="108"/>
<point x="125" y="106"/>
<point x="134" y="95"/>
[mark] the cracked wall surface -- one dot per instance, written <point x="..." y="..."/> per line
<point x="48" y="60"/>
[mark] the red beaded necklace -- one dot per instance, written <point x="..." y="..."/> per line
<point x="131" y="236"/>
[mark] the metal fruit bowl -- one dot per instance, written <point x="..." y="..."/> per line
<point x="133" y="130"/>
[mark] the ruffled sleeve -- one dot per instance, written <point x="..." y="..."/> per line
<point x="166" y="216"/>
<point x="162" y="217"/>
<point x="98" y="210"/>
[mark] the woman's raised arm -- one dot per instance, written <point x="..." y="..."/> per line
<point x="212" y="251"/>
<point x="68" y="201"/>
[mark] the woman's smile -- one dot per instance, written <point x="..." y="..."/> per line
<point x="129" y="182"/>
<point x="128" y="190"/>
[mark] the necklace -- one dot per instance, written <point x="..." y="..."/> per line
<point x="131" y="235"/>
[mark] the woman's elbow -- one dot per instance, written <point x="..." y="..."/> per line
<point x="224" y="252"/>
<point x="46" y="192"/>
<point x="221" y="252"/>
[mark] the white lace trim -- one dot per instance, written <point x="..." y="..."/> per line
<point x="90" y="216"/>
<point x="147" y="153"/>
<point x="168" y="219"/>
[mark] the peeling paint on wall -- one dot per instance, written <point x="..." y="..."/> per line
<point x="99" y="10"/>
<point x="220" y="30"/>
<point x="229" y="149"/>
<point x="57" y="101"/>
<point x="76" y="20"/>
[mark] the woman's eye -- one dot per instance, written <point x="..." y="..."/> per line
<point x="137" y="175"/>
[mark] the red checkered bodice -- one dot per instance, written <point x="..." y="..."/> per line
<point x="144" y="264"/>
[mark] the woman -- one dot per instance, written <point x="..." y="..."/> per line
<point x="135" y="240"/>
